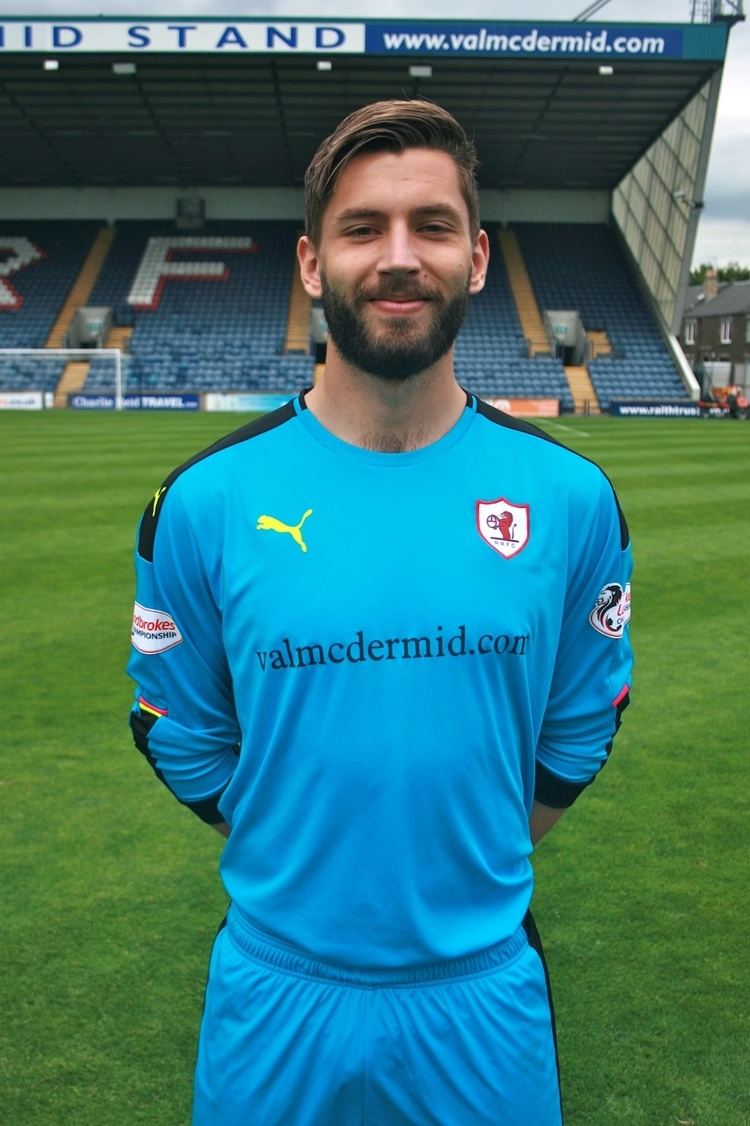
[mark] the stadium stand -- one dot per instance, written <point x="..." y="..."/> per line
<point x="580" y="266"/>
<point x="231" y="336"/>
<point x="201" y="333"/>
<point x="492" y="353"/>
<point x="209" y="311"/>
<point x="39" y="262"/>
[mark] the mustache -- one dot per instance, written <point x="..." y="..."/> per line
<point x="397" y="290"/>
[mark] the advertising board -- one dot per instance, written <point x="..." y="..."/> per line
<point x="525" y="408"/>
<point x="21" y="400"/>
<point x="156" y="402"/>
<point x="246" y="400"/>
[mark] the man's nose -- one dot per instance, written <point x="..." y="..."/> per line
<point x="399" y="251"/>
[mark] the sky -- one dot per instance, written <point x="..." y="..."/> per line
<point x="724" y="228"/>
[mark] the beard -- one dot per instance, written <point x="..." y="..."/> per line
<point x="400" y="350"/>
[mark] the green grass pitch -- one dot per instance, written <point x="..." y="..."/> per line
<point x="110" y="894"/>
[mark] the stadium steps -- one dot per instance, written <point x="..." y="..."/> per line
<point x="582" y="390"/>
<point x="119" y="337"/>
<point x="319" y="369"/>
<point x="75" y="373"/>
<point x="83" y="285"/>
<point x="523" y="294"/>
<point x="72" y="380"/>
<point x="599" y="343"/>
<point x="298" y="317"/>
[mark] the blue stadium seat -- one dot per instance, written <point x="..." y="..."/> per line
<point x="580" y="266"/>
<point x="41" y="288"/>
<point x="205" y="335"/>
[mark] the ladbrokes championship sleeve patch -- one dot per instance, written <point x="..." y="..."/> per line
<point x="154" y="631"/>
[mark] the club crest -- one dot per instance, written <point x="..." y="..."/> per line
<point x="503" y="526"/>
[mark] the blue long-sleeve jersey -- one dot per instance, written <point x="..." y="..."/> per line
<point x="369" y="664"/>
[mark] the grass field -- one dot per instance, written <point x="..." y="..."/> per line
<point x="110" y="895"/>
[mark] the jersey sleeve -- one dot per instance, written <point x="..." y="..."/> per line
<point x="183" y="719"/>
<point x="593" y="666"/>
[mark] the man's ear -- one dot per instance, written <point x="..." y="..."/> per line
<point x="309" y="267"/>
<point x="480" y="259"/>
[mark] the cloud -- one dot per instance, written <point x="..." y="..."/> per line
<point x="634" y="11"/>
<point x="729" y="204"/>
<point x="721" y="241"/>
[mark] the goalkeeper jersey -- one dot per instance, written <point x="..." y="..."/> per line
<point x="369" y="664"/>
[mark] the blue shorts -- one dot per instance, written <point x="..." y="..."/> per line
<point x="288" y="1041"/>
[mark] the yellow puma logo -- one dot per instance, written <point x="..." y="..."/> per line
<point x="157" y="497"/>
<point x="271" y="524"/>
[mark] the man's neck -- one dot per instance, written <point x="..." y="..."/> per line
<point x="390" y="417"/>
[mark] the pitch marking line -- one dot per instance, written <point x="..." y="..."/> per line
<point x="572" y="429"/>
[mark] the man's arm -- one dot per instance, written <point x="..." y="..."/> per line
<point x="543" y="817"/>
<point x="183" y="719"/>
<point x="591" y="680"/>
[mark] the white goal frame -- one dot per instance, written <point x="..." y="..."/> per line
<point x="80" y="353"/>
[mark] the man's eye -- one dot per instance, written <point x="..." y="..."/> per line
<point x="361" y="232"/>
<point x="436" y="228"/>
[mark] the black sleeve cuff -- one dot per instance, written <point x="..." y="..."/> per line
<point x="556" y="792"/>
<point x="207" y="809"/>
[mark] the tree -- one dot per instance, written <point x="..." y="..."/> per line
<point x="732" y="272"/>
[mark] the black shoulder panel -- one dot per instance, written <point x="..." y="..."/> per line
<point x="507" y="420"/>
<point x="250" y="430"/>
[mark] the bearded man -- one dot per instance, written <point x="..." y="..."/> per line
<point x="380" y="674"/>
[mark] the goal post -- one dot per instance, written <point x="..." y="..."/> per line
<point x="86" y="354"/>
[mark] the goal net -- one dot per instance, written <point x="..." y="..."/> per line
<point x="30" y="377"/>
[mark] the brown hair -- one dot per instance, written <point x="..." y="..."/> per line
<point x="390" y="126"/>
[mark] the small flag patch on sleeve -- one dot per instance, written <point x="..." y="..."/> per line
<point x="145" y="706"/>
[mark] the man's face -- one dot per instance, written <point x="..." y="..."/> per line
<point x="395" y="262"/>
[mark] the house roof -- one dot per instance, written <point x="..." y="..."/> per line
<point x="732" y="298"/>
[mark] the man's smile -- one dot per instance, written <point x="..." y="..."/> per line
<point x="398" y="306"/>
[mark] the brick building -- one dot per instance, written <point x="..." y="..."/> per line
<point x="716" y="328"/>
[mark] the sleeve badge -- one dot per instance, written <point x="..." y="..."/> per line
<point x="611" y="612"/>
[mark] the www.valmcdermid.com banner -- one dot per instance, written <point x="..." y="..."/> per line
<point x="428" y="38"/>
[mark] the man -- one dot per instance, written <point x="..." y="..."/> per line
<point x="380" y="643"/>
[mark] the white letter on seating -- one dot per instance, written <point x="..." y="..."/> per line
<point x="157" y="266"/>
<point x="23" y="253"/>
